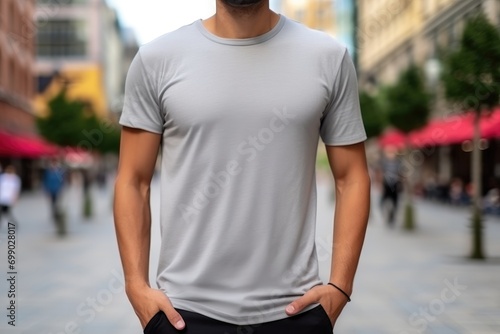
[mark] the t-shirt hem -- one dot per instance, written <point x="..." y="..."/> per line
<point x="350" y="141"/>
<point x="139" y="125"/>
<point x="240" y="320"/>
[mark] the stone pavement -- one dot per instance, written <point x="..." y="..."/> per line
<point x="422" y="282"/>
<point x="406" y="283"/>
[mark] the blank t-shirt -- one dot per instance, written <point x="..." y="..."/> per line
<point x="240" y="121"/>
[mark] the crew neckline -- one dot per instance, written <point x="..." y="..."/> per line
<point x="242" y="41"/>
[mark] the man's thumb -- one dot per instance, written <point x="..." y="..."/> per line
<point x="175" y="318"/>
<point x="297" y="305"/>
<point x="172" y="315"/>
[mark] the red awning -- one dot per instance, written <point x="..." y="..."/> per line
<point x="491" y="128"/>
<point x="392" y="138"/>
<point x="451" y="130"/>
<point x="25" y="147"/>
<point x="77" y="157"/>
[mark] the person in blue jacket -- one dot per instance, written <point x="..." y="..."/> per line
<point x="53" y="182"/>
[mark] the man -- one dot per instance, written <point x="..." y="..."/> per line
<point x="53" y="182"/>
<point x="238" y="103"/>
<point x="391" y="170"/>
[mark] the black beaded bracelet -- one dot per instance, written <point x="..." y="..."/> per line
<point x="343" y="292"/>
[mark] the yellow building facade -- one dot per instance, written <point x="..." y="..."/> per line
<point x="386" y="27"/>
<point x="83" y="83"/>
<point x="80" y="46"/>
<point x="394" y="33"/>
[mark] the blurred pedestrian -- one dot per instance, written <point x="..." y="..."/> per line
<point x="10" y="188"/>
<point x="458" y="194"/>
<point x="391" y="183"/>
<point x="492" y="198"/>
<point x="237" y="104"/>
<point x="53" y="182"/>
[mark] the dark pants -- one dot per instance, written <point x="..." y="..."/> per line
<point x="314" y="321"/>
<point x="391" y="193"/>
<point x="7" y="212"/>
<point x="54" y="202"/>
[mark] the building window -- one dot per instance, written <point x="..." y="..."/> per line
<point x="62" y="38"/>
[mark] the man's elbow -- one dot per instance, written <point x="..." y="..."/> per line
<point x="359" y="179"/>
<point x="126" y="183"/>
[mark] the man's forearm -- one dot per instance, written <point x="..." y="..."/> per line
<point x="133" y="229"/>
<point x="351" y="216"/>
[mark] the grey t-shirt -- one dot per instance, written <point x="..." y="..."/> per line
<point x="240" y="121"/>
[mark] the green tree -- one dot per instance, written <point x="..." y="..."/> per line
<point x="408" y="108"/>
<point x="69" y="123"/>
<point x="111" y="140"/>
<point x="471" y="79"/>
<point x="373" y="117"/>
<point x="64" y="123"/>
<point x="73" y="123"/>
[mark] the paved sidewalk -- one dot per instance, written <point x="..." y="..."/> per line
<point x="74" y="285"/>
<point x="70" y="285"/>
<point x="422" y="282"/>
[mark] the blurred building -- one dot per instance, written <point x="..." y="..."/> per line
<point x="392" y="34"/>
<point x="17" y="66"/>
<point x="80" y="44"/>
<point x="19" y="143"/>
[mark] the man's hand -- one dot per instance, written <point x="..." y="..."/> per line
<point x="332" y="300"/>
<point x="147" y="302"/>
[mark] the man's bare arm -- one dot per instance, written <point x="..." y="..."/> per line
<point x="138" y="153"/>
<point x="132" y="214"/>
<point x="352" y="189"/>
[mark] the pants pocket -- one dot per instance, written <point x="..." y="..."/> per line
<point x="150" y="326"/>
<point x="325" y="317"/>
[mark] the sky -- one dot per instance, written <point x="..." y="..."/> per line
<point x="153" y="18"/>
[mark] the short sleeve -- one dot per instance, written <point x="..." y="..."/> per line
<point x="341" y="123"/>
<point x="141" y="108"/>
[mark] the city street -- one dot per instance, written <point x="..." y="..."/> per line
<point x="417" y="282"/>
<point x="418" y="78"/>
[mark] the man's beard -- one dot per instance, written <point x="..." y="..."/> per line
<point x="242" y="3"/>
